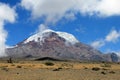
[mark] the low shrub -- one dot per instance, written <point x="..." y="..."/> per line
<point x="95" y="68"/>
<point x="49" y="64"/>
<point x="13" y="65"/>
<point x="106" y="65"/>
<point x="65" y="65"/>
<point x="19" y="66"/>
<point x="112" y="72"/>
<point x="105" y="69"/>
<point x="5" y="69"/>
<point x="103" y="73"/>
<point x="58" y="69"/>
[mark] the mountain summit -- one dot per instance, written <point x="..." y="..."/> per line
<point x="56" y="45"/>
<point x="41" y="36"/>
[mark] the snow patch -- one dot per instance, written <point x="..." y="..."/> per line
<point x="68" y="37"/>
<point x="39" y="37"/>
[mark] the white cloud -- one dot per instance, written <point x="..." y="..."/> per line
<point x="54" y="10"/>
<point x="70" y="16"/>
<point x="108" y="8"/>
<point x="118" y="53"/>
<point x="42" y="27"/>
<point x="98" y="44"/>
<point x="7" y="14"/>
<point x="113" y="36"/>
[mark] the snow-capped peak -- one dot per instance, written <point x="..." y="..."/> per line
<point x="68" y="37"/>
<point x="40" y="36"/>
<point x="47" y="30"/>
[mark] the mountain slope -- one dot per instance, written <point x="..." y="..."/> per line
<point x="58" y="45"/>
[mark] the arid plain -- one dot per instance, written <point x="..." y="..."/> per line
<point x="58" y="70"/>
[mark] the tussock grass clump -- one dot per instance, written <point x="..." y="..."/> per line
<point x="85" y="67"/>
<point x="17" y="73"/>
<point x="105" y="69"/>
<point x="65" y="65"/>
<point x="49" y="64"/>
<point x="13" y="65"/>
<point x="55" y="69"/>
<point x="58" y="69"/>
<point x="112" y="72"/>
<point x="19" y="66"/>
<point x="106" y="65"/>
<point x="5" y="69"/>
<point x="103" y="73"/>
<point x="95" y="68"/>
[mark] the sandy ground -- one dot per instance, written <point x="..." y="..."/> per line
<point x="35" y="70"/>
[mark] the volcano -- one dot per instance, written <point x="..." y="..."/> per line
<point x="57" y="45"/>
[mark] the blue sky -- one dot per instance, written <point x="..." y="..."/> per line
<point x="92" y="22"/>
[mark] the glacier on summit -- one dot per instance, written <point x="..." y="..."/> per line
<point x="40" y="36"/>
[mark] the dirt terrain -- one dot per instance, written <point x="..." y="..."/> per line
<point x="58" y="70"/>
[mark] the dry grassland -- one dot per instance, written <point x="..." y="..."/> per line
<point x="58" y="70"/>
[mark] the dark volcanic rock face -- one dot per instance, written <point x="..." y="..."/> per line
<point x="53" y="45"/>
<point x="114" y="57"/>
